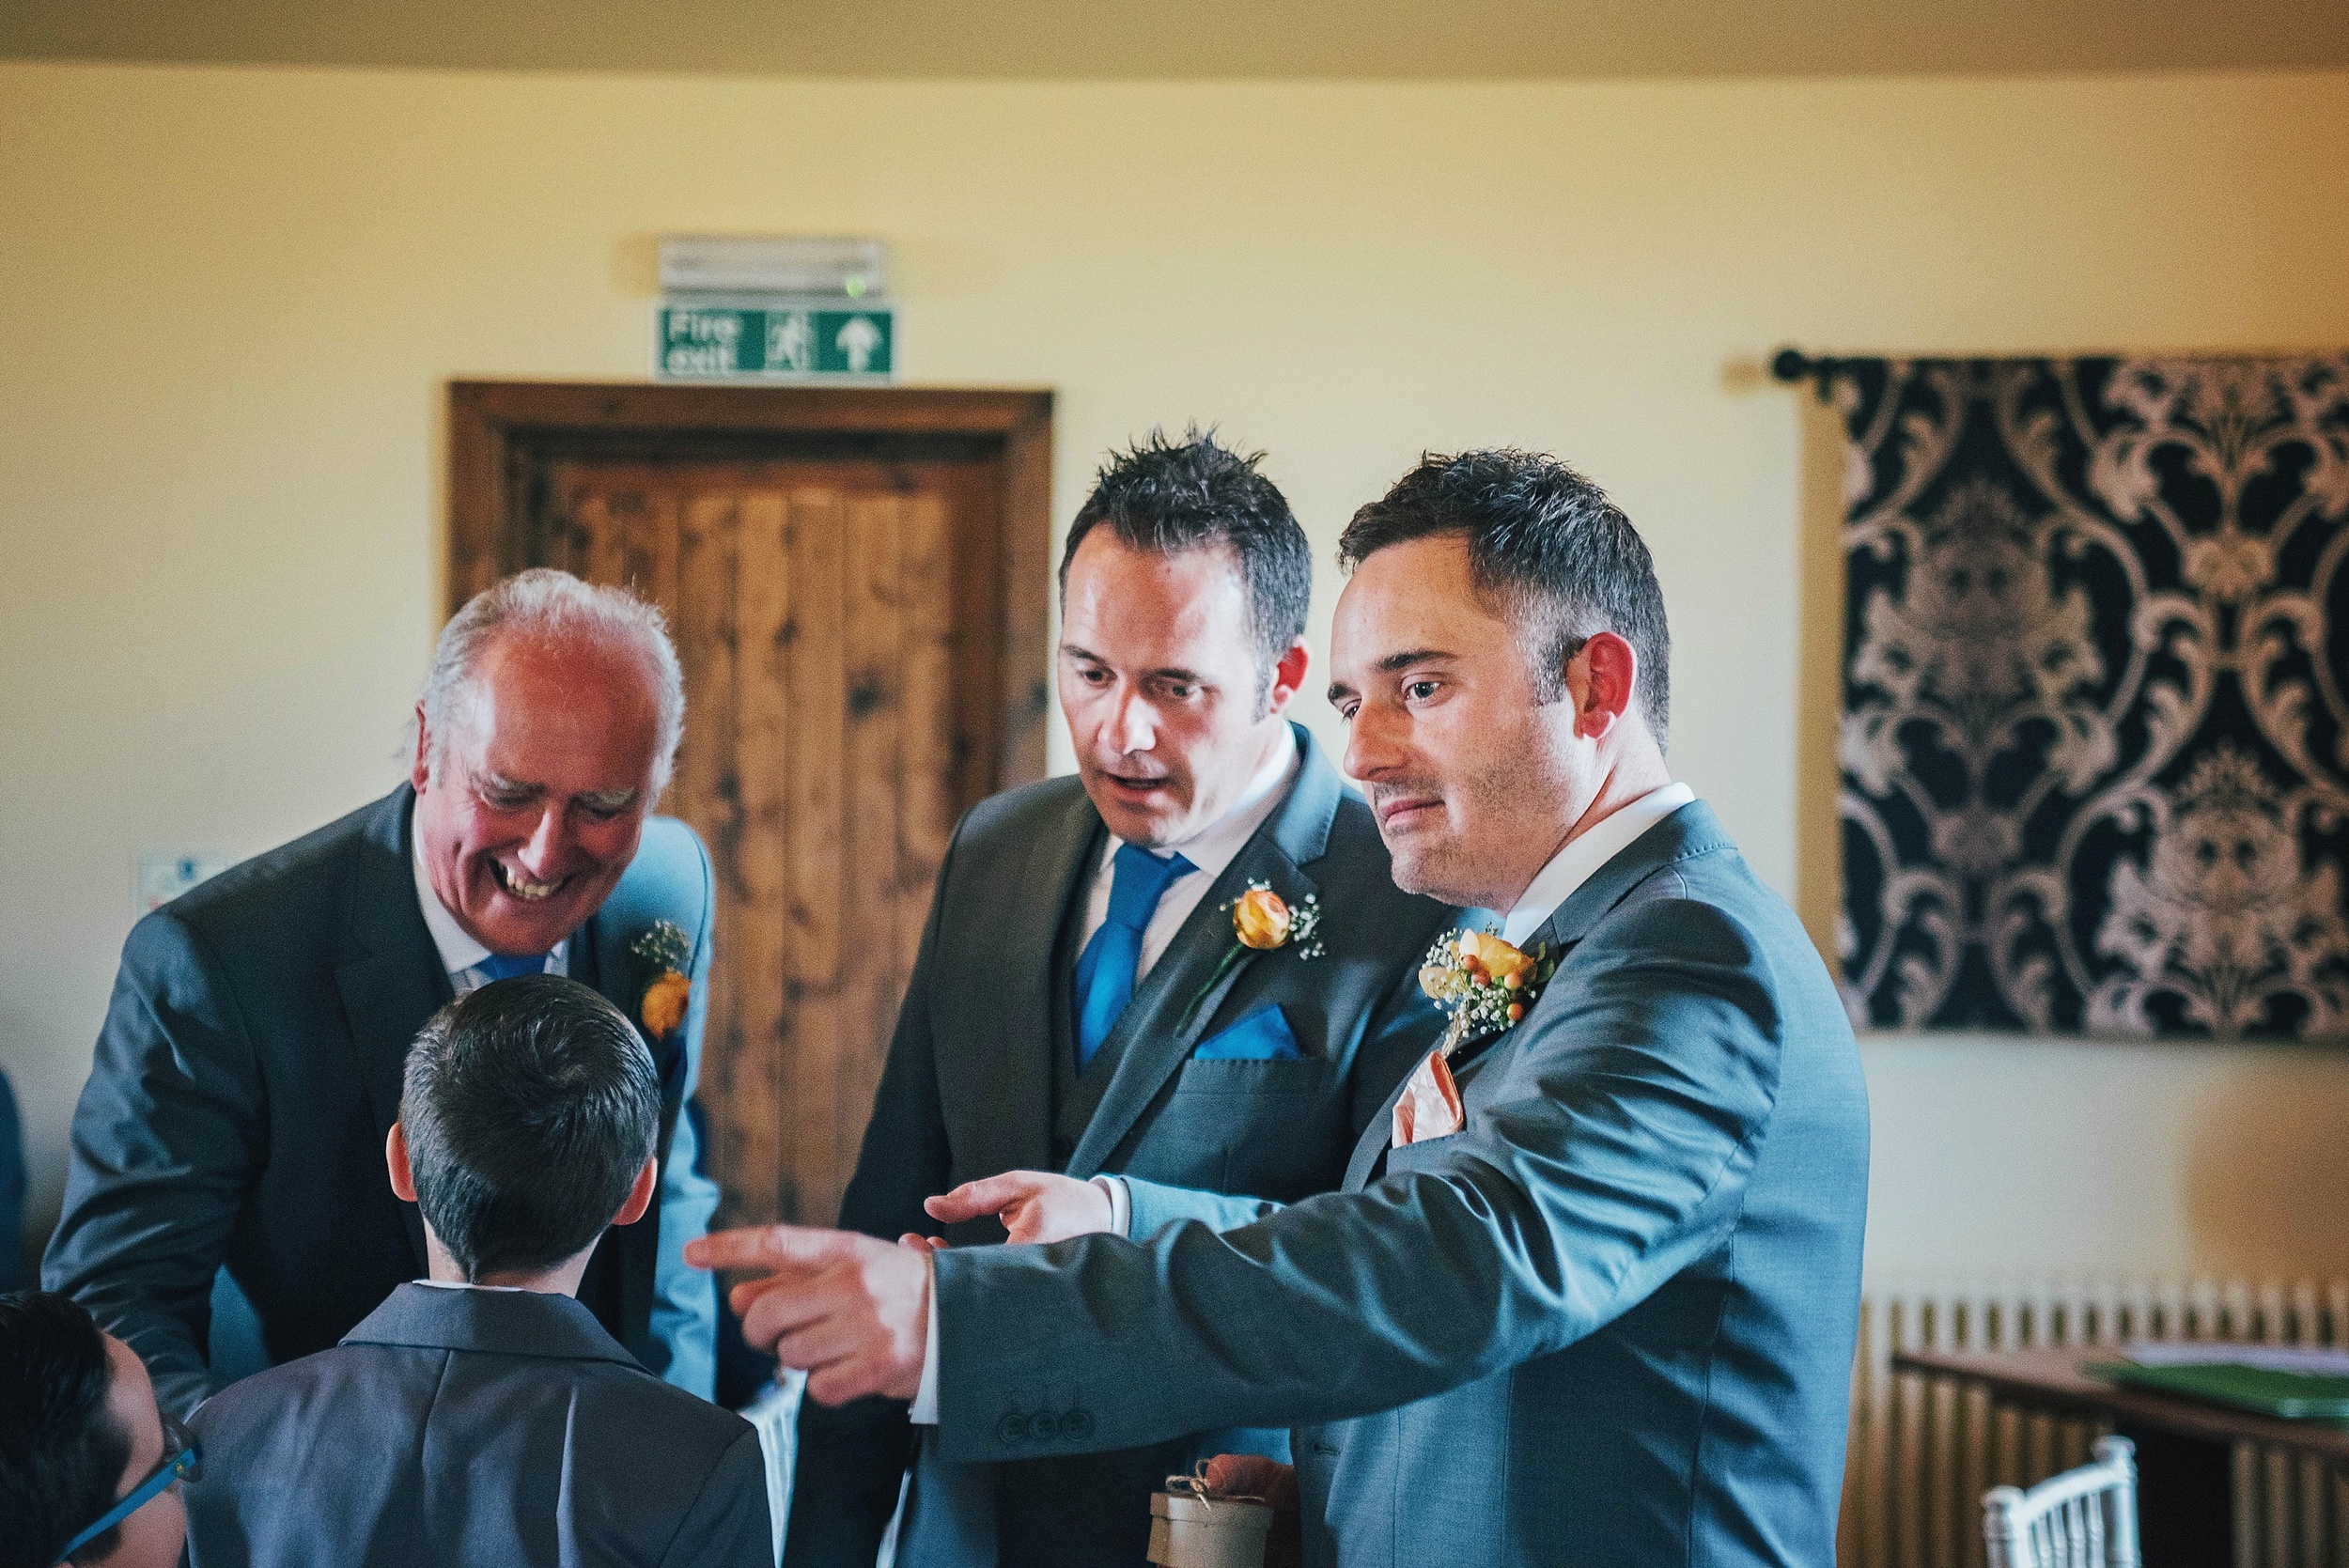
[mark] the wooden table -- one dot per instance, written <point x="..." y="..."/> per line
<point x="2184" y="1448"/>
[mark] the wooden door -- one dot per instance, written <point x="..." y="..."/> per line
<point x="839" y="605"/>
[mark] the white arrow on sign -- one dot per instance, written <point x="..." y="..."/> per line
<point x="858" y="339"/>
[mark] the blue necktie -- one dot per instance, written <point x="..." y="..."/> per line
<point x="1105" y="971"/>
<point x="497" y="966"/>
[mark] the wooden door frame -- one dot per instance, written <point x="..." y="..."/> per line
<point x="497" y="430"/>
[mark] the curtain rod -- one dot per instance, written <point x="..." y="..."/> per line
<point x="1792" y="364"/>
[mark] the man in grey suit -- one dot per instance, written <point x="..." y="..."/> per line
<point x="248" y="1070"/>
<point x="1590" y="1292"/>
<point x="1085" y="1003"/>
<point x="483" y="1415"/>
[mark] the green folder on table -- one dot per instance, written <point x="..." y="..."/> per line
<point x="2304" y="1396"/>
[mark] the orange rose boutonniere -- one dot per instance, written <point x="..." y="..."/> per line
<point x="663" y="990"/>
<point x="1485" y="984"/>
<point x="1261" y="920"/>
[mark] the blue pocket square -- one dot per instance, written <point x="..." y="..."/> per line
<point x="1264" y="1035"/>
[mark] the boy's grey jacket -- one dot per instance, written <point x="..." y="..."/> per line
<point x="249" y="1069"/>
<point x="474" y="1426"/>
<point x="980" y="1080"/>
<point x="1609" y="1321"/>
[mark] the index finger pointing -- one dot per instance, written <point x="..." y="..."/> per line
<point x="769" y="1246"/>
<point x="987" y="1195"/>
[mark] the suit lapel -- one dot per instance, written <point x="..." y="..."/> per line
<point x="1690" y="829"/>
<point x="389" y="976"/>
<point x="1013" y="1130"/>
<point x="1154" y="1036"/>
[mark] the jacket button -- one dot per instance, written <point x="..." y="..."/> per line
<point x="1012" y="1429"/>
<point x="1076" y="1425"/>
<point x="1042" y="1428"/>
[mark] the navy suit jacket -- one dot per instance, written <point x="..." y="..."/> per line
<point x="461" y="1426"/>
<point x="970" y="1091"/>
<point x="247" y="1074"/>
<point x="1609" y="1321"/>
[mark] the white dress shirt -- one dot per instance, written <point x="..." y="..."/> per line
<point x="459" y="954"/>
<point x="1209" y="850"/>
<point x="1584" y="855"/>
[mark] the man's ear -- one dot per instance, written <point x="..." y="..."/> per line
<point x="396" y="1161"/>
<point x="1288" y="676"/>
<point x="638" y="1196"/>
<point x="1611" y="673"/>
<point x="420" y="770"/>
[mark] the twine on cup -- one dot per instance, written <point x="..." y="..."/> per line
<point x="1200" y="1489"/>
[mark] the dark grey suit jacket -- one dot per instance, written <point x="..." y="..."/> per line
<point x="249" y="1070"/>
<point x="1609" y="1321"/>
<point x="473" y="1427"/>
<point x="970" y="1091"/>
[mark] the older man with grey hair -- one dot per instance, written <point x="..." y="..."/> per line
<point x="248" y="1074"/>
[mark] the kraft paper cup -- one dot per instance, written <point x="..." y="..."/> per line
<point x="1186" y="1532"/>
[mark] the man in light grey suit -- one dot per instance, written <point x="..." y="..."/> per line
<point x="483" y="1415"/>
<point x="1603" y="1310"/>
<point x="1083" y="1004"/>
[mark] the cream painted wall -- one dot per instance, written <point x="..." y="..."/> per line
<point x="232" y="299"/>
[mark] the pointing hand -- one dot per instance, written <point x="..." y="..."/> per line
<point x="1034" y="1206"/>
<point x="851" y="1310"/>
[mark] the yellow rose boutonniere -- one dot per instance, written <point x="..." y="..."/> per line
<point x="663" y="990"/>
<point x="1483" y="983"/>
<point x="1263" y="921"/>
<point x="1260" y="918"/>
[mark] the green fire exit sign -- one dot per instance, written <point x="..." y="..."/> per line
<point x="776" y="340"/>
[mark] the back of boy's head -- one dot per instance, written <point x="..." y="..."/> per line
<point x="529" y="1106"/>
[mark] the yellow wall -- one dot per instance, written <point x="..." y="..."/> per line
<point x="229" y="300"/>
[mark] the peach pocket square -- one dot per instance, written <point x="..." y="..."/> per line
<point x="1430" y="1106"/>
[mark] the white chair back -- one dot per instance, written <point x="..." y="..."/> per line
<point x="2083" y="1518"/>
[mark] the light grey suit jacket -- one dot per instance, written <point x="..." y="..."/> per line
<point x="1611" y="1321"/>
<point x="980" y="1081"/>
<point x="464" y="1427"/>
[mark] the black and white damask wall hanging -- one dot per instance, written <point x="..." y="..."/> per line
<point x="2095" y="742"/>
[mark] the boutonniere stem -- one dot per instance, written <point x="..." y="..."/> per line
<point x="1260" y="922"/>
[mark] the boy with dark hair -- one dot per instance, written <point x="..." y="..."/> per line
<point x="86" y="1462"/>
<point x="483" y="1415"/>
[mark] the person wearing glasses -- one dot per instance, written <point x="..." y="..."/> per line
<point x="88" y="1466"/>
<point x="483" y="1415"/>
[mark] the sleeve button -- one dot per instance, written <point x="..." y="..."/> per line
<point x="1012" y="1429"/>
<point x="1076" y="1425"/>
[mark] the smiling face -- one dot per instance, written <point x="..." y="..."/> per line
<point x="1160" y="683"/>
<point x="532" y="808"/>
<point x="1475" y="784"/>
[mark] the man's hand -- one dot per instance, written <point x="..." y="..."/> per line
<point x="850" y="1310"/>
<point x="1034" y="1206"/>
<point x="1251" y="1475"/>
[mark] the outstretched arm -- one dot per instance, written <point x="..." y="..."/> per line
<point x="166" y="1140"/>
<point x="1612" y="1152"/>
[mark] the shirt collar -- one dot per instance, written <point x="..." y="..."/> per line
<point x="457" y="949"/>
<point x="1217" y="845"/>
<point x="468" y="1284"/>
<point x="1584" y="854"/>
